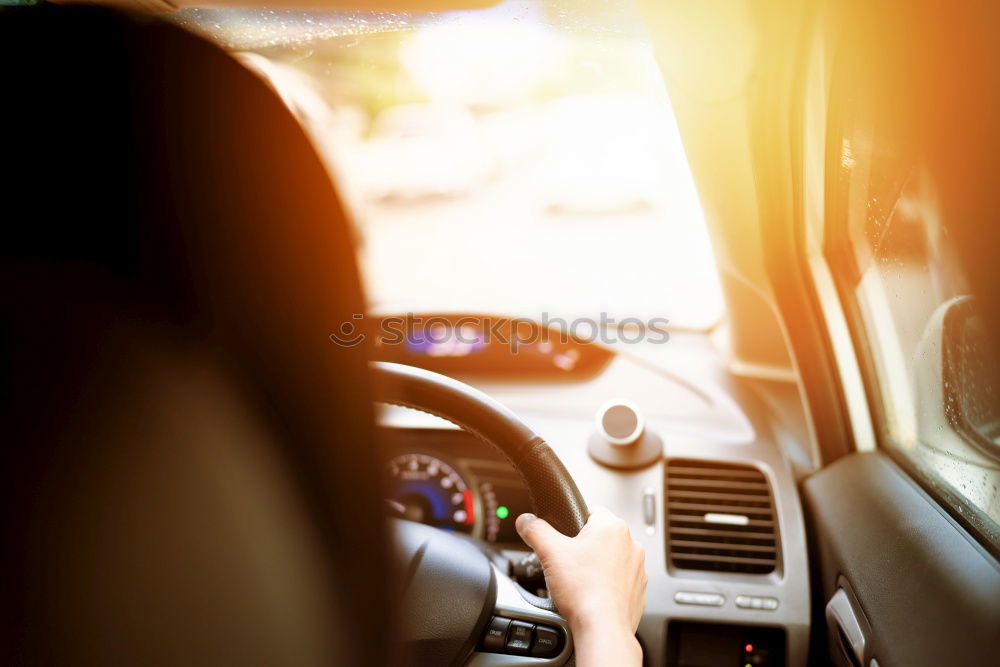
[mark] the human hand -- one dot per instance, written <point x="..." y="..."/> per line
<point x="597" y="580"/>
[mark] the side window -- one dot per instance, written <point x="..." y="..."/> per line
<point x="932" y="374"/>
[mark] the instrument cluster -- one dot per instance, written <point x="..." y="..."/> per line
<point x="453" y="481"/>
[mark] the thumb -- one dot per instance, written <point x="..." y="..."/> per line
<point x="538" y="534"/>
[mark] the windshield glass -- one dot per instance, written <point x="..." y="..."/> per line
<point x="522" y="159"/>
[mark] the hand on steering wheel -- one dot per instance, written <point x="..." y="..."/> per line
<point x="457" y="607"/>
<point x="603" y="617"/>
<point x="465" y="608"/>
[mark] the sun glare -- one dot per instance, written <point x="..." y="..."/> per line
<point x="518" y="160"/>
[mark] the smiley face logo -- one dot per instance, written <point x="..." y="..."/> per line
<point x="348" y="336"/>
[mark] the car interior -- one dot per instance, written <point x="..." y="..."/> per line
<point x="306" y="301"/>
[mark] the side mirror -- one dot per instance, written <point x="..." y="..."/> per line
<point x="971" y="375"/>
<point x="958" y="379"/>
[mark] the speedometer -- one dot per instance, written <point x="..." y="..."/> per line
<point x="431" y="492"/>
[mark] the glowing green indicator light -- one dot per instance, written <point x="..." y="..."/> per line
<point x="503" y="512"/>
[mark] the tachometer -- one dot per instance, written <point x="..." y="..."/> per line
<point x="431" y="492"/>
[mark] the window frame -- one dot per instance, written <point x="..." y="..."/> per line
<point x="838" y="250"/>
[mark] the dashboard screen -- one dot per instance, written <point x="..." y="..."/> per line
<point x="471" y="344"/>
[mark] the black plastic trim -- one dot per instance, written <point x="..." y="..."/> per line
<point x="930" y="590"/>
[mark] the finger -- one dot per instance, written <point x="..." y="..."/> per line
<point x="609" y="527"/>
<point x="598" y="518"/>
<point x="600" y="514"/>
<point x="538" y="534"/>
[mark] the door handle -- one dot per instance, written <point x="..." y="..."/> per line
<point x="840" y="616"/>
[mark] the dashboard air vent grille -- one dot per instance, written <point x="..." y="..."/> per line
<point x="720" y="517"/>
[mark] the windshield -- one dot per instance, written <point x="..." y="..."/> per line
<point x="522" y="159"/>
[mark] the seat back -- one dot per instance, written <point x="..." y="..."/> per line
<point x="188" y="469"/>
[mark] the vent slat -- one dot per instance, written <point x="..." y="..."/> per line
<point x="749" y="535"/>
<point x="714" y="473"/>
<point x="759" y="487"/>
<point x="718" y="507"/>
<point x="680" y="493"/>
<point x="712" y="558"/>
<point x="723" y="546"/>
<point x="697" y="488"/>
<point x="698" y="521"/>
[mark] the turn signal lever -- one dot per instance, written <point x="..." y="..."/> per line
<point x="528" y="572"/>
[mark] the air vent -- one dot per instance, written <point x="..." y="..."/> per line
<point x="720" y="517"/>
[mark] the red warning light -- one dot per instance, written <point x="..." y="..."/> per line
<point x="748" y="648"/>
<point x="470" y="508"/>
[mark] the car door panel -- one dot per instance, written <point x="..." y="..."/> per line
<point x="924" y="592"/>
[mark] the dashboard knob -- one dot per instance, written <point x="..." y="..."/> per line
<point x="620" y="422"/>
<point x="621" y="440"/>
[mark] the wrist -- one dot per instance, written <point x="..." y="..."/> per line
<point x="600" y="622"/>
<point x="596" y="646"/>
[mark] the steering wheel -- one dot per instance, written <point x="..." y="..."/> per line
<point x="457" y="607"/>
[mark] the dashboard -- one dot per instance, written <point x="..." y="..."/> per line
<point x="717" y="511"/>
